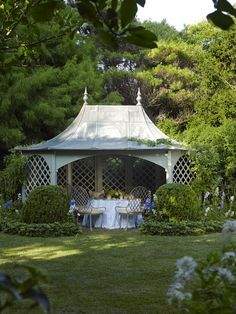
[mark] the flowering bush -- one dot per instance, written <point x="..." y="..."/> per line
<point x="218" y="205"/>
<point x="10" y="209"/>
<point x="149" y="206"/>
<point x="208" y="286"/>
<point x="73" y="210"/>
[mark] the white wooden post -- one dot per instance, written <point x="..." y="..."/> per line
<point x="169" y="174"/>
<point x="53" y="170"/>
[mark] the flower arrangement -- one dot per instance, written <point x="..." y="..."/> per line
<point x="117" y="194"/>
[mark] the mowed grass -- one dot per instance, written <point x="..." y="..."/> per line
<point x="105" y="271"/>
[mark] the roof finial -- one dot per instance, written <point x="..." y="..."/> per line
<point x="85" y="98"/>
<point x="139" y="98"/>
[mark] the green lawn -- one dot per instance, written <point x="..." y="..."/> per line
<point x="105" y="271"/>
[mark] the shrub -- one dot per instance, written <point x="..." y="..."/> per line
<point x="154" y="227"/>
<point x="13" y="176"/>
<point x="177" y="202"/>
<point x="42" y="230"/>
<point x="45" y="204"/>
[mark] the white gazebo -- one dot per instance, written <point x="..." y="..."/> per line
<point x="107" y="146"/>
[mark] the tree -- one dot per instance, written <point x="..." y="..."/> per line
<point x="41" y="92"/>
<point x="171" y="80"/>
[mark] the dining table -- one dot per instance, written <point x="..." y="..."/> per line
<point x="110" y="219"/>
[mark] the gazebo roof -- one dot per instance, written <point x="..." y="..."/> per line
<point x="107" y="127"/>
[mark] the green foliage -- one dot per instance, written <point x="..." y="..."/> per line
<point x="223" y="16"/>
<point x="177" y="202"/>
<point x="207" y="286"/>
<point x="113" y="98"/>
<point x="169" y="126"/>
<point x="18" y="290"/>
<point x="162" y="30"/>
<point x="55" y="229"/>
<point x="171" y="81"/>
<point x="45" y="204"/>
<point x="113" y="20"/>
<point x="213" y="156"/>
<point x="151" y="143"/>
<point x="37" y="104"/>
<point x="13" y="176"/>
<point x="22" y="19"/>
<point x="154" y="227"/>
<point x="10" y="214"/>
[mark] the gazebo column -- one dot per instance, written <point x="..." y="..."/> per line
<point x="53" y="175"/>
<point x="128" y="175"/>
<point x="169" y="172"/>
<point x="69" y="174"/>
<point x="98" y="173"/>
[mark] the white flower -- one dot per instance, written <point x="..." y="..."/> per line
<point x="229" y="213"/>
<point x="228" y="255"/>
<point x="174" y="293"/>
<point x="72" y="209"/>
<point x="217" y="191"/>
<point x="232" y="198"/>
<point x="17" y="211"/>
<point x="154" y="197"/>
<point x="185" y="267"/>
<point x="229" y="226"/>
<point x="206" y="195"/>
<point x="207" y="210"/>
<point x="225" y="273"/>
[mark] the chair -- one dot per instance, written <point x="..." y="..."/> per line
<point x="83" y="203"/>
<point x="135" y="206"/>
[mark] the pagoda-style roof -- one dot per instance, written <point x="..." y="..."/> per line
<point x="108" y="127"/>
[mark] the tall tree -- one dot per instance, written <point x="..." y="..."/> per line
<point x="41" y="91"/>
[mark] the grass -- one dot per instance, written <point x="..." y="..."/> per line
<point x="105" y="272"/>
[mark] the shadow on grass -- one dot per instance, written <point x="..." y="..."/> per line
<point x="105" y="271"/>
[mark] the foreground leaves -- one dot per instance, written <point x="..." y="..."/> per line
<point x="17" y="290"/>
<point x="223" y="20"/>
<point x="113" y="20"/>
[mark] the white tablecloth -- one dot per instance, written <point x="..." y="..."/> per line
<point x="110" y="219"/>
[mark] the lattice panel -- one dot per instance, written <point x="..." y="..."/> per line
<point x="62" y="176"/>
<point x="144" y="174"/>
<point x="38" y="173"/>
<point x="83" y="173"/>
<point x="113" y="174"/>
<point x="182" y="172"/>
